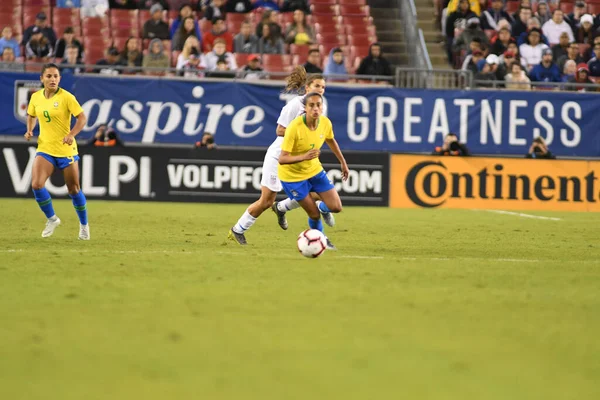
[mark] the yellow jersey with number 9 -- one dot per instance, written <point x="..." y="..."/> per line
<point x="298" y="140"/>
<point x="54" y="117"/>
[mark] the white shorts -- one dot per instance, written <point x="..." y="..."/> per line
<point x="270" y="177"/>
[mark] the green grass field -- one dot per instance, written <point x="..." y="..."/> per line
<point x="416" y="304"/>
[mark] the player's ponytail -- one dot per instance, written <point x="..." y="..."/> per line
<point x="296" y="81"/>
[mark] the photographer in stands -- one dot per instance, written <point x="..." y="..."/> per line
<point x="451" y="147"/>
<point x="207" y="142"/>
<point x="539" y="149"/>
<point x="106" y="137"/>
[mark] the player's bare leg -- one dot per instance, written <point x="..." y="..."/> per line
<point x="283" y="206"/>
<point x="71" y="175"/>
<point x="42" y="170"/>
<point x="266" y="200"/>
<point x="314" y="217"/>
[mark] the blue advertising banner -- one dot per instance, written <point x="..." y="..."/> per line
<point x="375" y="119"/>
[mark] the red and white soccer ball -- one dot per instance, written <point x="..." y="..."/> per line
<point x="312" y="243"/>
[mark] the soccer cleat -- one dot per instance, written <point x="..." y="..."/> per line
<point x="238" y="237"/>
<point x="84" y="232"/>
<point x="51" y="225"/>
<point x="281" y="219"/>
<point x="327" y="216"/>
<point x="330" y="245"/>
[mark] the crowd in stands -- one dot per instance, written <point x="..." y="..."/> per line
<point x="513" y="43"/>
<point x="196" y="38"/>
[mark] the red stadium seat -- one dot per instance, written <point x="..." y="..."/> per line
<point x="567" y="8"/>
<point x="205" y="25"/>
<point x="361" y="40"/>
<point x="328" y="28"/>
<point x="29" y="14"/>
<point x="65" y="14"/>
<point x="92" y="30"/>
<point x="119" y="42"/>
<point x="512" y="7"/>
<point x="241" y="59"/>
<point x="95" y="21"/>
<point x="594" y="8"/>
<point x="350" y="10"/>
<point x="583" y="47"/>
<point x="59" y="28"/>
<point x="352" y="2"/>
<point x="37" y="3"/>
<point x="324" y="9"/>
<point x="329" y="2"/>
<point x="275" y="62"/>
<point x="358" y="30"/>
<point x="333" y="38"/>
<point x="120" y="16"/>
<point x="122" y="31"/>
<point x="359" y="51"/>
<point x="301" y="51"/>
<point x="356" y="21"/>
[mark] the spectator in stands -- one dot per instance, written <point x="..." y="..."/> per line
<point x="156" y="58"/>
<point x="155" y="27"/>
<point x="219" y="31"/>
<point x="185" y="30"/>
<point x="106" y="137"/>
<point x="270" y="43"/>
<point x="313" y="62"/>
<point x="493" y="15"/>
<point x="111" y="64"/>
<point x="581" y="77"/>
<point x="514" y="49"/>
<point x="207" y="142"/>
<point x="522" y="4"/>
<point x="299" y="32"/>
<point x="8" y="41"/>
<point x="455" y="19"/>
<point x="123" y="4"/>
<point x="474" y="5"/>
<point x="594" y="63"/>
<point x="569" y="70"/>
<point x="500" y="44"/>
<point x="520" y="25"/>
<point x="505" y="63"/>
<point x="239" y="6"/>
<point x="245" y="41"/>
<point x="539" y="149"/>
<point x="219" y="52"/>
<point x="585" y="33"/>
<point x="268" y="4"/>
<point x="472" y="60"/>
<point x="533" y="22"/>
<point x="184" y="12"/>
<point x="375" y="63"/>
<point x="71" y="61"/>
<point x="222" y="70"/>
<point x="38" y="46"/>
<point x="533" y="50"/>
<point x="8" y="61"/>
<point x="591" y="52"/>
<point x="557" y="25"/>
<point x="562" y="48"/>
<point x="473" y="30"/>
<point x="572" y="54"/>
<point x="252" y="70"/>
<point x="269" y="17"/>
<point x="335" y="65"/>
<point x="579" y="10"/>
<point x="67" y="39"/>
<point x="486" y="71"/>
<point x="546" y="71"/>
<point x="216" y="9"/>
<point x="148" y="4"/>
<point x="131" y="55"/>
<point x="451" y="147"/>
<point x="293" y="5"/>
<point x="543" y="13"/>
<point x="94" y="8"/>
<point x="191" y="62"/>
<point x="41" y="25"/>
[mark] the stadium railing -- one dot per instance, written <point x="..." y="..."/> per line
<point x="417" y="78"/>
<point x="415" y="40"/>
<point x="539" y="86"/>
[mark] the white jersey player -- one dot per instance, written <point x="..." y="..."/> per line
<point x="270" y="184"/>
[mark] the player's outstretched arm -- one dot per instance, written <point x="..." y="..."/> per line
<point x="286" y="158"/>
<point x="333" y="145"/>
<point x="31" y="121"/>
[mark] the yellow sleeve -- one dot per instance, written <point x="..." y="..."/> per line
<point x="31" y="107"/>
<point x="476" y="7"/>
<point x="74" y="107"/>
<point x="329" y="132"/>
<point x="452" y="6"/>
<point x="289" y="139"/>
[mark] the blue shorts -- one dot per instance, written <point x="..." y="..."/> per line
<point x="59" y="162"/>
<point x="299" y="190"/>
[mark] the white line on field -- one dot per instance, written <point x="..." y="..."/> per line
<point x="522" y="215"/>
<point x="364" y="257"/>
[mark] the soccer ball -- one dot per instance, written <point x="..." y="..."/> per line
<point x="312" y="243"/>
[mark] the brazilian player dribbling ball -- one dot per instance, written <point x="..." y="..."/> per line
<point x="53" y="107"/>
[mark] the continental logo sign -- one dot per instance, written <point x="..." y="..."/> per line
<point x="494" y="183"/>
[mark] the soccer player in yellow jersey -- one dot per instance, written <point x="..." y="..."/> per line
<point x="57" y="148"/>
<point x="300" y="170"/>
